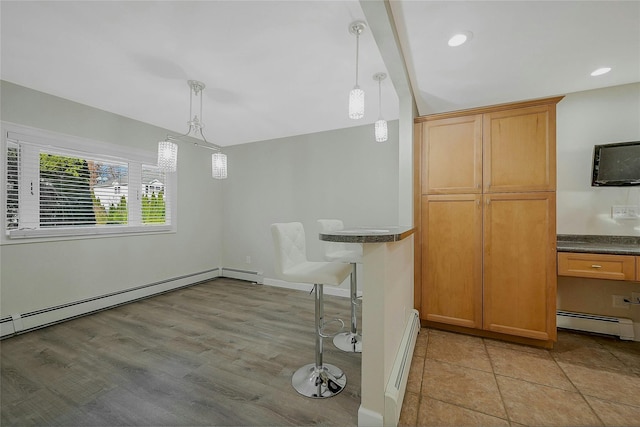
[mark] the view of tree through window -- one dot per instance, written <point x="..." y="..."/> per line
<point x="74" y="191"/>
<point x="65" y="191"/>
<point x="48" y="189"/>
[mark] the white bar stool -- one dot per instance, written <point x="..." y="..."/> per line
<point x="349" y="253"/>
<point x="317" y="380"/>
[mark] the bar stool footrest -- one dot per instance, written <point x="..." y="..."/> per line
<point x="321" y="331"/>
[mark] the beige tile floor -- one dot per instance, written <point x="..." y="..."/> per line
<point x="460" y="380"/>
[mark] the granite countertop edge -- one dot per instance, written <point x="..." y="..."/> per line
<point x="615" y="245"/>
<point x="353" y="235"/>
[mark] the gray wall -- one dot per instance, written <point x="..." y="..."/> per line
<point x="584" y="120"/>
<point x="340" y="174"/>
<point x="35" y="275"/>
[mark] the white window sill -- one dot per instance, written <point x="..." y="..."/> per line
<point x="89" y="232"/>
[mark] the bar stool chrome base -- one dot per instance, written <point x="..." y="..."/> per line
<point x="325" y="381"/>
<point x="349" y="342"/>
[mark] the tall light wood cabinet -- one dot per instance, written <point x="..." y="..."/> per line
<point x="519" y="150"/>
<point x="452" y="259"/>
<point x="519" y="274"/>
<point x="486" y="219"/>
<point x="452" y="149"/>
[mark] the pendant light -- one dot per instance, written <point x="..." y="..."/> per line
<point x="219" y="165"/>
<point x="167" y="155"/>
<point x="356" y="96"/>
<point x="168" y="149"/>
<point x="380" y="127"/>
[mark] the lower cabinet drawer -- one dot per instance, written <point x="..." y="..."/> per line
<point x="597" y="266"/>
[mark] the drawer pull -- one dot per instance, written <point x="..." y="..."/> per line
<point x="596" y="266"/>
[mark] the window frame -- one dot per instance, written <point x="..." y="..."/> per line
<point x="77" y="146"/>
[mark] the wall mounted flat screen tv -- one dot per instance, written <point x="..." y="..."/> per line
<point x="616" y="165"/>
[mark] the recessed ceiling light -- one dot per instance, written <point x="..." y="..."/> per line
<point x="460" y="38"/>
<point x="601" y="71"/>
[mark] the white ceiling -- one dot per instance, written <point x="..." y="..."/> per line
<point x="519" y="50"/>
<point x="283" y="68"/>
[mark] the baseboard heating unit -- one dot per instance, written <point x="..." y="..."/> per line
<point x="19" y="323"/>
<point x="618" y="326"/>
<point x="397" y="383"/>
<point x="249" y="276"/>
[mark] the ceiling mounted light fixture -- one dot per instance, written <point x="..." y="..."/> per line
<point x="356" y="96"/>
<point x="600" y="71"/>
<point x="380" y="127"/>
<point x="168" y="149"/>
<point x="460" y="39"/>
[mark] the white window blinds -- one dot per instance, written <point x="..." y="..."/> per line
<point x="53" y="191"/>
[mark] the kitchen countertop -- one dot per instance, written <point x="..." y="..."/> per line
<point x="598" y="244"/>
<point x="382" y="234"/>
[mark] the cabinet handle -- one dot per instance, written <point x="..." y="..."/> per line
<point x="596" y="266"/>
<point x="488" y="201"/>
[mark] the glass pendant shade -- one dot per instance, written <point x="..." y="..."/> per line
<point x="380" y="126"/>
<point x="167" y="156"/>
<point x="381" y="130"/>
<point x="356" y="103"/>
<point x="219" y="165"/>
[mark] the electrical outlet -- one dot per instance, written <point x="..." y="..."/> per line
<point x="635" y="297"/>
<point x="247" y="259"/>
<point x="618" y="301"/>
<point x="624" y="212"/>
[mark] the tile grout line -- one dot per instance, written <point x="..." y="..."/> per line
<point x="576" y="387"/>
<point x="627" y="367"/>
<point x="424" y="362"/>
<point x="495" y="378"/>
<point x="462" y="406"/>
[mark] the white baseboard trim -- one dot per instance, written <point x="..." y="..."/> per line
<point x="249" y="276"/>
<point x="19" y="323"/>
<point x="369" y="418"/>
<point x="342" y="291"/>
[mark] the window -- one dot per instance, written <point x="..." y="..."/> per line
<point x="54" y="188"/>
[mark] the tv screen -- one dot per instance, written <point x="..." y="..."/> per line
<point x="616" y="165"/>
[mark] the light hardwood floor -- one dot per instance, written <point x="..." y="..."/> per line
<point x="217" y="353"/>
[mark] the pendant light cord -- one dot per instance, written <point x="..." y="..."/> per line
<point x="380" y="98"/>
<point x="357" y="51"/>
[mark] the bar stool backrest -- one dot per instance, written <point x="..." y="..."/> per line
<point x="338" y="251"/>
<point x="290" y="246"/>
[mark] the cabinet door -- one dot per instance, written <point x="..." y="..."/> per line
<point x="520" y="264"/>
<point x="519" y="150"/>
<point x="452" y="155"/>
<point x="452" y="259"/>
